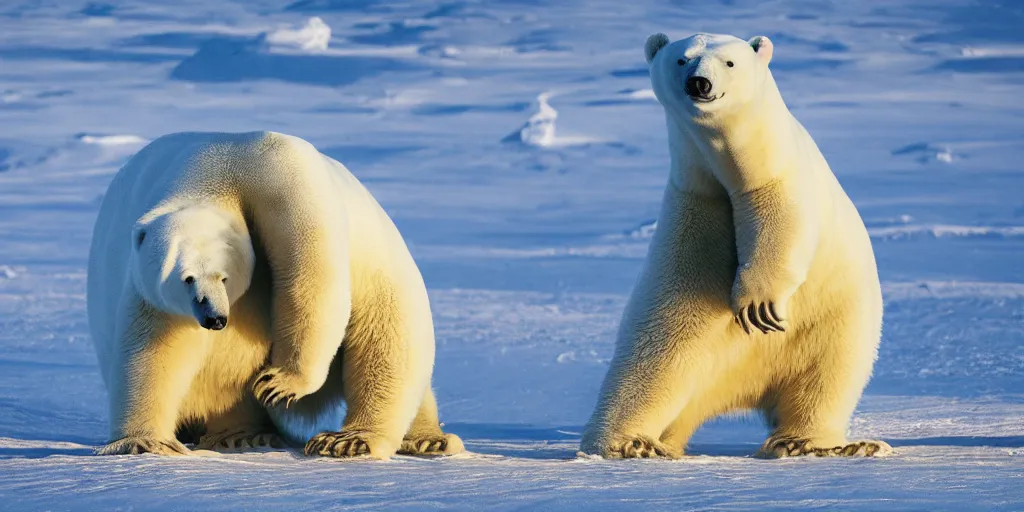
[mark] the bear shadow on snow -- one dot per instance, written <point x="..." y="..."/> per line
<point x="397" y="33"/>
<point x="963" y="441"/>
<point x="738" y="437"/>
<point x="42" y="453"/>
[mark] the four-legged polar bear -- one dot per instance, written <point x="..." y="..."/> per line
<point x="248" y="284"/>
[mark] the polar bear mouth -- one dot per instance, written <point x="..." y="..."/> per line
<point x="706" y="99"/>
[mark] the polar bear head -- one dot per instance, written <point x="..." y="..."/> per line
<point x="708" y="75"/>
<point x="194" y="261"/>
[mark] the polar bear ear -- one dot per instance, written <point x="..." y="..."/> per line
<point x="654" y="43"/>
<point x="762" y="47"/>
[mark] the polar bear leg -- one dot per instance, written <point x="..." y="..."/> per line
<point x="776" y="233"/>
<point x="651" y="407"/>
<point x="302" y="228"/>
<point x="386" y="363"/>
<point x="425" y="436"/>
<point x="735" y="387"/>
<point x="245" y="425"/>
<point x="160" y="358"/>
<point x="638" y="402"/>
<point x="812" y="410"/>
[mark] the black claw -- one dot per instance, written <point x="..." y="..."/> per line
<point x="775" y="316"/>
<point x="264" y="378"/>
<point x="743" y="321"/>
<point x="332" y="448"/>
<point x="308" y="448"/>
<point x="752" y="315"/>
<point x="282" y="396"/>
<point x="768" y="321"/>
<point x="268" y="401"/>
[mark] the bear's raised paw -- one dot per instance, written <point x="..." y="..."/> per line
<point x="762" y="304"/>
<point x="762" y="316"/>
<point x="275" y="386"/>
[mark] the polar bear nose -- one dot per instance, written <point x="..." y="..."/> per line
<point x="215" y="323"/>
<point x="698" y="86"/>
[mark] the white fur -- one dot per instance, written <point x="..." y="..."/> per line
<point x="752" y="215"/>
<point x="285" y="243"/>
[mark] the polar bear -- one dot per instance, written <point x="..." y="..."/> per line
<point x="759" y="290"/>
<point x="242" y="287"/>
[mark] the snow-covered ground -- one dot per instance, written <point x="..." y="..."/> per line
<point x="520" y="151"/>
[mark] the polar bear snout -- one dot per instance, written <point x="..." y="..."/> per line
<point x="215" y="323"/>
<point x="698" y="87"/>
<point x="207" y="315"/>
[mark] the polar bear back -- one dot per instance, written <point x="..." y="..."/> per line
<point x="185" y="168"/>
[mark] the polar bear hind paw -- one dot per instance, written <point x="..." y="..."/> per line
<point x="640" y="447"/>
<point x="347" y="443"/>
<point x="140" y="445"/>
<point x="443" y="444"/>
<point x="240" y="440"/>
<point x="775" y="448"/>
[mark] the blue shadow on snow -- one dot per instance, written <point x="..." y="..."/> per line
<point x="221" y="61"/>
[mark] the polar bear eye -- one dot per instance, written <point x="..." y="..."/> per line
<point x="224" y="280"/>
<point x="190" y="280"/>
<point x="681" y="62"/>
<point x="729" y="63"/>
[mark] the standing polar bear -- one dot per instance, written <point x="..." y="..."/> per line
<point x="759" y="290"/>
<point x="247" y="285"/>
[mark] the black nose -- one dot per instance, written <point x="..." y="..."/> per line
<point x="698" y="86"/>
<point x="215" y="323"/>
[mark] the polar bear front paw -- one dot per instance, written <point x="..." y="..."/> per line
<point x="275" y="386"/>
<point x="640" y="447"/>
<point x="775" y="448"/>
<point x="240" y="440"/>
<point x="755" y="305"/>
<point x="140" y="445"/>
<point x="444" y="444"/>
<point x="348" y="443"/>
<point x="763" y="316"/>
